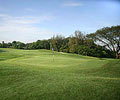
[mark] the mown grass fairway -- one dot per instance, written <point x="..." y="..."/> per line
<point x="33" y="75"/>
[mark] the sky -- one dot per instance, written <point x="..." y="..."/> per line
<point x="32" y="20"/>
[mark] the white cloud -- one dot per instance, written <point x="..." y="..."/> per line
<point x="72" y="4"/>
<point x="23" y="28"/>
<point x="24" y="19"/>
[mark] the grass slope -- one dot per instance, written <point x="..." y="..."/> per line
<point x="33" y="75"/>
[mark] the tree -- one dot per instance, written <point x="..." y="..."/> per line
<point x="18" y="45"/>
<point x="83" y="50"/>
<point x="75" y="41"/>
<point x="72" y="45"/>
<point x="14" y="44"/>
<point x="79" y="37"/>
<point x="9" y="45"/>
<point x="65" y="46"/>
<point x="108" y="37"/>
<point x="57" y="42"/>
<point x="42" y="44"/>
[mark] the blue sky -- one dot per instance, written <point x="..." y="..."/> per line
<point x="31" y="20"/>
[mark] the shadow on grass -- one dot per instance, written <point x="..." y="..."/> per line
<point x="102" y="58"/>
<point x="2" y="59"/>
<point x="2" y="51"/>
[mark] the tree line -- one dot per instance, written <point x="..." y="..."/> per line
<point x="104" y="42"/>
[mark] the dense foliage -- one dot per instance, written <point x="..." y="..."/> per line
<point x="108" y="37"/>
<point x="78" y="43"/>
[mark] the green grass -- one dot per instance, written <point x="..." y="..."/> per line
<point x="33" y="75"/>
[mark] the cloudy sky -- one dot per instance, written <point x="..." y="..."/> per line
<point x="31" y="20"/>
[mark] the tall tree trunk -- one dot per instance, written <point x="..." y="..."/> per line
<point x="117" y="56"/>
